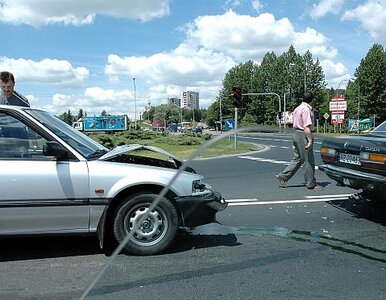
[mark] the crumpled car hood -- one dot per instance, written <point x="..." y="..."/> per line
<point x="118" y="150"/>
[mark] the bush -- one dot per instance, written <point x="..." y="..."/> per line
<point x="106" y="141"/>
<point x="150" y="138"/>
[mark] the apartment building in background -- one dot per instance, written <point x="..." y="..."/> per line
<point x="189" y="99"/>
<point x="174" y="101"/>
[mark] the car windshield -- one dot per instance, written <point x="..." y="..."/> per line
<point x="380" y="130"/>
<point x="86" y="146"/>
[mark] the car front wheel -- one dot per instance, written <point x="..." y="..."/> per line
<point x="150" y="232"/>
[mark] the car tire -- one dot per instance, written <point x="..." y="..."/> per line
<point x="156" y="231"/>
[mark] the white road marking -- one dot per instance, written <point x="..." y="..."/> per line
<point x="265" y="139"/>
<point x="309" y="199"/>
<point x="328" y="196"/>
<point x="273" y="161"/>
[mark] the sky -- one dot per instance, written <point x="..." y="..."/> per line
<point x="121" y="55"/>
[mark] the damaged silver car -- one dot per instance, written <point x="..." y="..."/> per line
<point x="56" y="180"/>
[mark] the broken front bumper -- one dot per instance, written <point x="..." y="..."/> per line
<point x="200" y="209"/>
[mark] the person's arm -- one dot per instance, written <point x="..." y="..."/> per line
<point x="310" y="138"/>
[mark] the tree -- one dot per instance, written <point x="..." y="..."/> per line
<point x="80" y="114"/>
<point x="67" y="117"/>
<point x="290" y="74"/>
<point x="369" y="88"/>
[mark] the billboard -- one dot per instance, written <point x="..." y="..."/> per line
<point x="105" y="123"/>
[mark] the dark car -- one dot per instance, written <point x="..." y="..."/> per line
<point x="358" y="161"/>
<point x="197" y="129"/>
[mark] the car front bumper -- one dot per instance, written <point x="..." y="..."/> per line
<point x="200" y="209"/>
<point x="355" y="179"/>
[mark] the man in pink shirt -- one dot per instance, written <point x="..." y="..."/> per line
<point x="303" y="123"/>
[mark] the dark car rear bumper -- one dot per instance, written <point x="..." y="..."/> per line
<point x="355" y="179"/>
<point x="201" y="209"/>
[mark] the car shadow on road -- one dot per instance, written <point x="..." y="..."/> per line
<point x="374" y="211"/>
<point x="26" y="248"/>
<point x="186" y="241"/>
<point x="29" y="248"/>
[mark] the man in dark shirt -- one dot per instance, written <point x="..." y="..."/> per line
<point x="9" y="95"/>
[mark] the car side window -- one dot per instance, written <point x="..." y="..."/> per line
<point x="18" y="141"/>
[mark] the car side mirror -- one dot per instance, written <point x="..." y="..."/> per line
<point x="51" y="148"/>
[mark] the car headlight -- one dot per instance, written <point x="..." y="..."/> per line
<point x="199" y="186"/>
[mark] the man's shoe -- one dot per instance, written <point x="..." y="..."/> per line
<point x="316" y="188"/>
<point x="282" y="182"/>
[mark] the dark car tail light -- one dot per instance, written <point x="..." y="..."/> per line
<point x="328" y="154"/>
<point x="373" y="161"/>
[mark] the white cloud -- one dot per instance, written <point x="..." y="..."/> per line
<point x="335" y="72"/>
<point x="94" y="100"/>
<point x="372" y="16"/>
<point x="175" y="71"/>
<point x="257" y="5"/>
<point x="324" y="7"/>
<point x="182" y="66"/>
<point x="38" y="13"/>
<point x="50" y="71"/>
<point x="241" y="36"/>
<point x="213" y="45"/>
<point x="314" y="41"/>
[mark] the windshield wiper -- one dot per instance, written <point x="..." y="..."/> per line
<point x="97" y="153"/>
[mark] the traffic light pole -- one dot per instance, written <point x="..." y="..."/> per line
<point x="235" y="135"/>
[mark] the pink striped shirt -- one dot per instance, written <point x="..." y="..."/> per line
<point x="303" y="116"/>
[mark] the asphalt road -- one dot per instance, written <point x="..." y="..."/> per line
<point x="270" y="243"/>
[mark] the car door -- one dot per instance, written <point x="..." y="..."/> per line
<point x="38" y="194"/>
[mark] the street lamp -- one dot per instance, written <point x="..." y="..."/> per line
<point x="359" y="99"/>
<point x="285" y="111"/>
<point x="305" y="76"/>
<point x="135" y="104"/>
<point x="220" y="113"/>
<point x="337" y="90"/>
<point x="337" y="94"/>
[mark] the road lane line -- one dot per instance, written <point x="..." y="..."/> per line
<point x="328" y="196"/>
<point x="274" y="161"/>
<point x="239" y="202"/>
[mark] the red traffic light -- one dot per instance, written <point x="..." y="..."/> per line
<point x="237" y="96"/>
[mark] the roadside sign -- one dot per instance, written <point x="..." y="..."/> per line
<point x="229" y="124"/>
<point x="338" y="104"/>
<point x="337" y="117"/>
<point x="326" y="116"/>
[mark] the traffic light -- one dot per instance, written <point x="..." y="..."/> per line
<point x="237" y="97"/>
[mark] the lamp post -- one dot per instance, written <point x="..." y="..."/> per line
<point x="285" y="112"/>
<point x="135" y="104"/>
<point x="220" y="114"/>
<point x="148" y="112"/>
<point x="337" y="90"/>
<point x="337" y="94"/>
<point x="359" y="100"/>
<point x="305" y="76"/>
<point x="359" y="106"/>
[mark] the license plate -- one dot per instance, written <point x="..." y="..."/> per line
<point x="349" y="158"/>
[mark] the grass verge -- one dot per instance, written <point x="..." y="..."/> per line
<point x="181" y="145"/>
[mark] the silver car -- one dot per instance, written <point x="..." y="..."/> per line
<point x="55" y="180"/>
